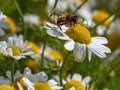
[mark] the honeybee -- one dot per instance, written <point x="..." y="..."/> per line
<point x="67" y="19"/>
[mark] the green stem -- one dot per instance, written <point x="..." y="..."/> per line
<point x="110" y="65"/>
<point x="63" y="67"/>
<point x="79" y="6"/>
<point x="56" y="1"/>
<point x="113" y="13"/>
<point x="22" y="18"/>
<point x="12" y="71"/>
<point x="41" y="63"/>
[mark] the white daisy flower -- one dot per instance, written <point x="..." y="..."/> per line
<point x="76" y="82"/>
<point x="40" y="83"/>
<point x="3" y="25"/>
<point x="31" y="19"/>
<point x="17" y="76"/>
<point x="79" y="40"/>
<point x="15" y="48"/>
<point x="54" y="56"/>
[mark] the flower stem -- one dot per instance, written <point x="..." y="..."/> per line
<point x="41" y="63"/>
<point x="63" y="67"/>
<point x="56" y="1"/>
<point x="22" y="18"/>
<point x="12" y="71"/>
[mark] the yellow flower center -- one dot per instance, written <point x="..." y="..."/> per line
<point x="16" y="50"/>
<point x="20" y="81"/>
<point x="42" y="86"/>
<point x="33" y="65"/>
<point x="80" y="1"/>
<point x="55" y="55"/>
<point x="99" y="16"/>
<point x="76" y="84"/>
<point x="6" y="87"/>
<point x="113" y="43"/>
<point x="12" y="24"/>
<point x="34" y="47"/>
<point x="79" y="34"/>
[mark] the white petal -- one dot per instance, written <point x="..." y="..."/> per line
<point x="97" y="49"/>
<point x="8" y="74"/>
<point x="87" y="79"/>
<point x="77" y="77"/>
<point x="69" y="45"/>
<point x="56" y="87"/>
<point x="52" y="82"/>
<point x="100" y="40"/>
<point x="89" y="55"/>
<point x="54" y="33"/>
<point x="19" y="86"/>
<point x="17" y="74"/>
<point x="28" y="84"/>
<point x="79" y="52"/>
<point x="2" y="33"/>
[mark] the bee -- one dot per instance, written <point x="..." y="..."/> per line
<point x="67" y="19"/>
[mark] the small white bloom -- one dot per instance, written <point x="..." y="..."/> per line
<point x="15" y="48"/>
<point x="31" y="19"/>
<point x="77" y="79"/>
<point x="40" y="77"/>
<point x="3" y="25"/>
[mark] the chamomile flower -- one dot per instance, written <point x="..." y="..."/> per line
<point x="15" y="48"/>
<point x="39" y="82"/>
<point x="36" y="49"/>
<point x="33" y="65"/>
<point x="31" y="19"/>
<point x="79" y="40"/>
<point x="97" y="17"/>
<point x="55" y="58"/>
<point x="113" y="35"/>
<point x="3" y="25"/>
<point x="12" y="27"/>
<point x="76" y="82"/>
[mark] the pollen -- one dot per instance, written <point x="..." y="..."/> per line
<point x="34" y="47"/>
<point x="15" y="50"/>
<point x="79" y="34"/>
<point x="12" y="24"/>
<point x="6" y="87"/>
<point x="55" y="55"/>
<point x="99" y="16"/>
<point x="42" y="86"/>
<point x="76" y="84"/>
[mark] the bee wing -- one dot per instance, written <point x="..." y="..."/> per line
<point x="2" y="32"/>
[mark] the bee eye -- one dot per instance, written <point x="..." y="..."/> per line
<point x="74" y="19"/>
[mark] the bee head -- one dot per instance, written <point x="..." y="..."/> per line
<point x="74" y="19"/>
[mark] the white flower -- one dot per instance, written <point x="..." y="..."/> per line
<point x="15" y="48"/>
<point x="78" y="77"/>
<point x="77" y="82"/>
<point x="3" y="25"/>
<point x="18" y="74"/>
<point x="40" y="79"/>
<point x="31" y="19"/>
<point x="79" y="41"/>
